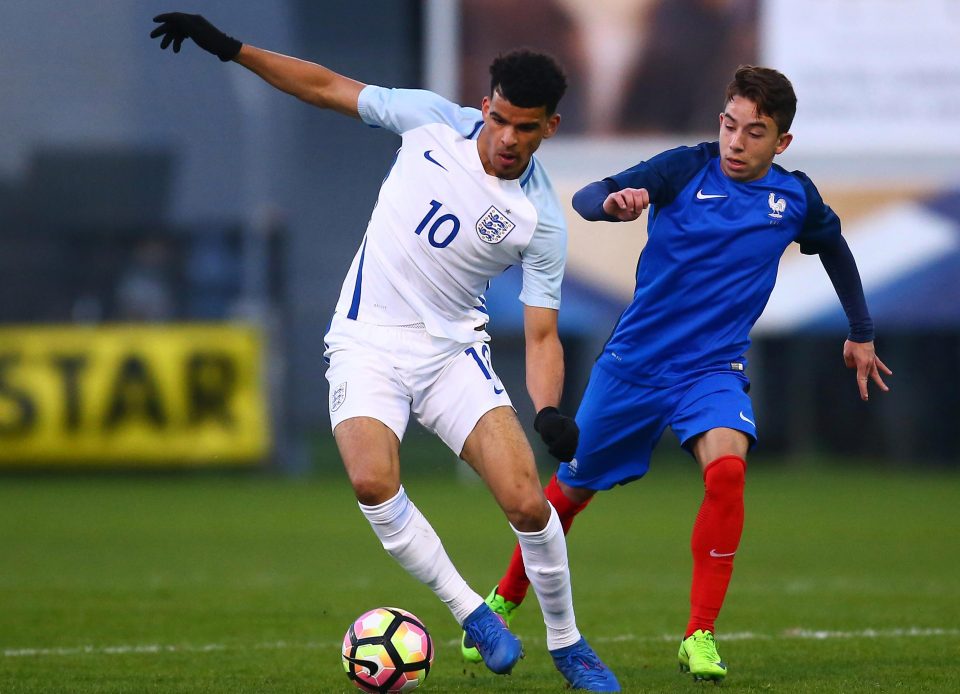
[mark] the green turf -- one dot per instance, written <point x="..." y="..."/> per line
<point x="246" y="583"/>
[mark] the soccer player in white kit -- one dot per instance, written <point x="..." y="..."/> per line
<point x="464" y="200"/>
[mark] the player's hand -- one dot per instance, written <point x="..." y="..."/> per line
<point x="627" y="204"/>
<point x="177" y="26"/>
<point x="559" y="432"/>
<point x="861" y="356"/>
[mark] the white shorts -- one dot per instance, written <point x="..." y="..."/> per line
<point x="385" y="372"/>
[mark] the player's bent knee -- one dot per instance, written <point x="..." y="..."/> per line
<point x="529" y="515"/>
<point x="726" y="476"/>
<point x="567" y="493"/>
<point x="371" y="490"/>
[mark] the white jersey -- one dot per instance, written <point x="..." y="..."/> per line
<point x="442" y="227"/>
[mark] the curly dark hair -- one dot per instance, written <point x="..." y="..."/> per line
<point x="528" y="79"/>
<point x="770" y="90"/>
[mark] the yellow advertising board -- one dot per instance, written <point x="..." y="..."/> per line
<point x="132" y="395"/>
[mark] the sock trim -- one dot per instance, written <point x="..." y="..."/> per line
<point x="730" y="456"/>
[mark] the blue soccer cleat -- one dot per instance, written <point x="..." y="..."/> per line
<point x="500" y="605"/>
<point x="500" y="649"/>
<point x="584" y="669"/>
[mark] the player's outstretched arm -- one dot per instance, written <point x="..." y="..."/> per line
<point x="307" y="81"/>
<point x="858" y="350"/>
<point x="544" y="365"/>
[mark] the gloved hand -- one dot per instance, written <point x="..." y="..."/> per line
<point x="177" y="26"/>
<point x="559" y="432"/>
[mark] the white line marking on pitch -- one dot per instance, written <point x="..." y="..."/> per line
<point x="797" y="633"/>
<point x="158" y="648"/>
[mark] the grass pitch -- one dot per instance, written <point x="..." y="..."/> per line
<point x="848" y="580"/>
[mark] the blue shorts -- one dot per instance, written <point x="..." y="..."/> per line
<point x="620" y="422"/>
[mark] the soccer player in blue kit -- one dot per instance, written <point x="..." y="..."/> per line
<point x="721" y="215"/>
<point x="464" y="200"/>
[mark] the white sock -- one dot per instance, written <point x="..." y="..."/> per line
<point x="545" y="558"/>
<point x="409" y="538"/>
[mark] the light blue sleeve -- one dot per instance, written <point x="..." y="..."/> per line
<point x="400" y="110"/>
<point x="546" y="255"/>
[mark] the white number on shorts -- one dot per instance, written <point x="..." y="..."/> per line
<point x="484" y="363"/>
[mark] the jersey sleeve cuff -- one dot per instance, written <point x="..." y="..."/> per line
<point x="540" y="302"/>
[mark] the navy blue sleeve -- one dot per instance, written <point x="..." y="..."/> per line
<point x="588" y="201"/>
<point x="821" y="226"/>
<point x="820" y="234"/>
<point x="664" y="176"/>
<point x="842" y="270"/>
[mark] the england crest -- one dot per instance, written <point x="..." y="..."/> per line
<point x="338" y="396"/>
<point x="494" y="226"/>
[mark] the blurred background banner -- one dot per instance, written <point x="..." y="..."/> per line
<point x="874" y="77"/>
<point x="132" y="395"/>
<point x="151" y="189"/>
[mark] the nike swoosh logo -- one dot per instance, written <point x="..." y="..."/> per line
<point x="715" y="553"/>
<point x="426" y="155"/>
<point x="708" y="196"/>
<point x="744" y="418"/>
<point x="369" y="665"/>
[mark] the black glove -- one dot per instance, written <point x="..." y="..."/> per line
<point x="177" y="26"/>
<point x="559" y="432"/>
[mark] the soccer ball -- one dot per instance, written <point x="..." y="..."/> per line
<point x="387" y="650"/>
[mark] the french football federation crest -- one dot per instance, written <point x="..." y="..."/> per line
<point x="494" y="226"/>
<point x="777" y="206"/>
<point x="338" y="396"/>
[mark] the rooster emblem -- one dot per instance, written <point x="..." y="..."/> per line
<point x="776" y="206"/>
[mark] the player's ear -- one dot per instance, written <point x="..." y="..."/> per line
<point x="485" y="106"/>
<point x="783" y="141"/>
<point x="553" y="122"/>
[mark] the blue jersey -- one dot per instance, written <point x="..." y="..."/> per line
<point x="710" y="262"/>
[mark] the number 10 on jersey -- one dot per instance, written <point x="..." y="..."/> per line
<point x="444" y="224"/>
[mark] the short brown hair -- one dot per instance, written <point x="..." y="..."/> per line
<point x="770" y="90"/>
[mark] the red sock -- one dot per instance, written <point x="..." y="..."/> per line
<point x="716" y="535"/>
<point x="514" y="584"/>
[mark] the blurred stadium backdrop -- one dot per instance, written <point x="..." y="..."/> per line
<point x="173" y="235"/>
